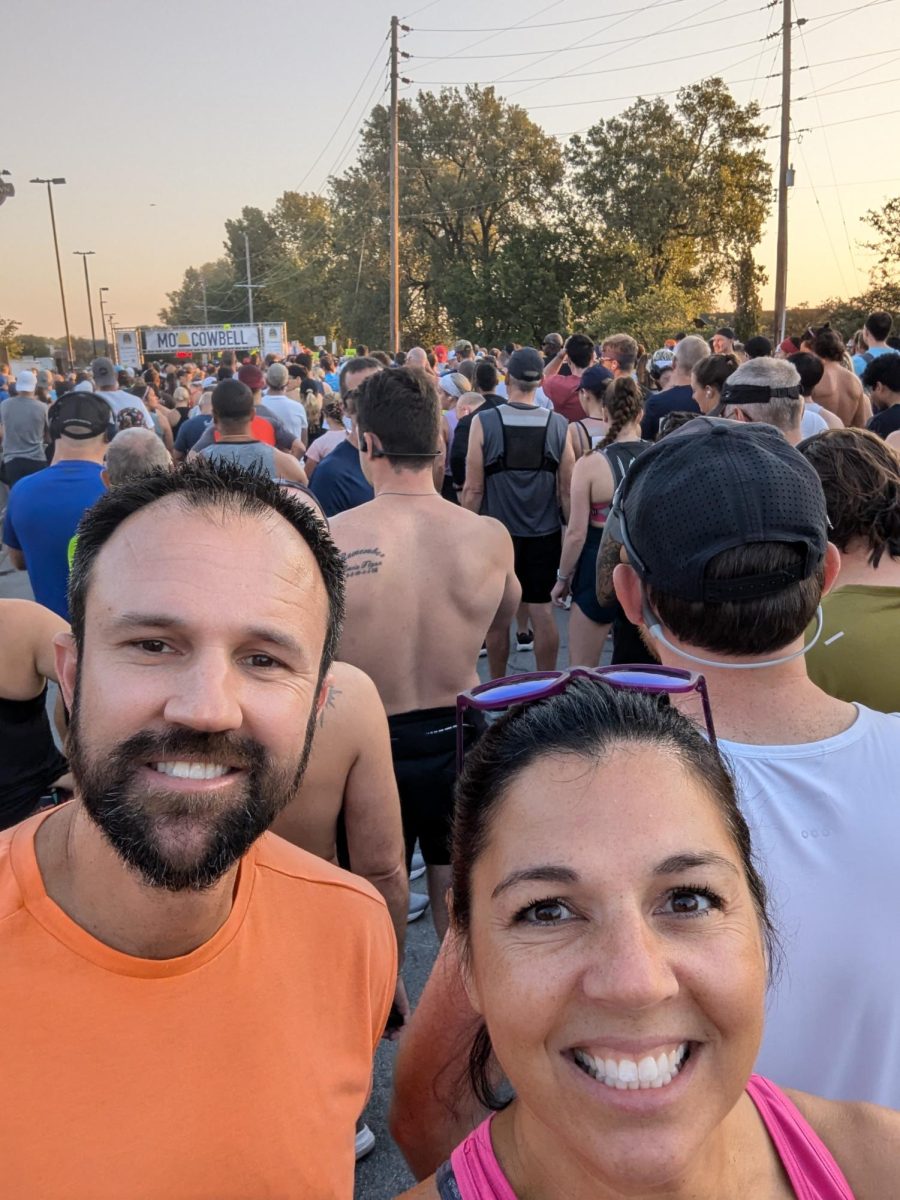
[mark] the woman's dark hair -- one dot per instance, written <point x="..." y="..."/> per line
<point x="333" y="408"/>
<point x="860" y="476"/>
<point x="713" y="370"/>
<point x="828" y="344"/>
<point x="199" y="485"/>
<point x="588" y="720"/>
<point x="624" y="401"/>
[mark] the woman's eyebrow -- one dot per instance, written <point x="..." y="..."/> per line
<point x="690" y="860"/>
<point x="547" y="873"/>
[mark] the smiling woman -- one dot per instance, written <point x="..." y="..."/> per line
<point x="612" y="940"/>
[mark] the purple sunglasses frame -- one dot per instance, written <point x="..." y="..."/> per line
<point x="677" y="681"/>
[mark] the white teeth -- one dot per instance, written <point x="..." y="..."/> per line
<point x="625" y="1074"/>
<point x="192" y="770"/>
<point x="647" y="1070"/>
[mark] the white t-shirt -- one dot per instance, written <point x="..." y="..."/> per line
<point x="541" y="399"/>
<point x="290" y="413"/>
<point x="811" y="423"/>
<point x="118" y="400"/>
<point x="825" y="822"/>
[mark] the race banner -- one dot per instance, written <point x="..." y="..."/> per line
<point x="128" y="352"/>
<point x="201" y="338"/>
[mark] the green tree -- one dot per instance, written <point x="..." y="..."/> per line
<point x="653" y="315"/>
<point x="680" y="190"/>
<point x="264" y="257"/>
<point x="10" y="345"/>
<point x="32" y="345"/>
<point x="476" y="172"/>
<point x="224" y="303"/>
<point x="885" y="223"/>
<point x="747" y="277"/>
<point x="299" y="282"/>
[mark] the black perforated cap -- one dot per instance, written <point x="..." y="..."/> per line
<point x="711" y="486"/>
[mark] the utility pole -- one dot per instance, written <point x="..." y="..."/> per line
<point x="783" y="178"/>
<point x="62" y="290"/>
<point x="249" y="280"/>
<point x="395" y="190"/>
<point x="205" y="308"/>
<point x="112" y="337"/>
<point x="87" y="285"/>
<point x="249" y="285"/>
<point x="103" y="320"/>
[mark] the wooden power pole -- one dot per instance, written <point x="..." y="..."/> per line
<point x="395" y="190"/>
<point x="783" y="178"/>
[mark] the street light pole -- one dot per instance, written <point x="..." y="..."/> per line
<point x="112" y="336"/>
<point x="62" y="290"/>
<point x="87" y="287"/>
<point x="103" y="320"/>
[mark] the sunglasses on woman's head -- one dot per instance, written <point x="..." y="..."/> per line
<point x="541" y="685"/>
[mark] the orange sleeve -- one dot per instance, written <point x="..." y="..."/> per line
<point x="383" y="975"/>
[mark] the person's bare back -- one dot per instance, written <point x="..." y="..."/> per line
<point x="841" y="393"/>
<point x="426" y="580"/>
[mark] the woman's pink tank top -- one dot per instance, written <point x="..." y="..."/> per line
<point x="473" y="1172"/>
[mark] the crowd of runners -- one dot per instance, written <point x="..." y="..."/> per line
<point x="281" y="597"/>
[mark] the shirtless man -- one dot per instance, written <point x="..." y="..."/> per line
<point x="840" y="391"/>
<point x="347" y="810"/>
<point x="427" y="581"/>
<point x="33" y="773"/>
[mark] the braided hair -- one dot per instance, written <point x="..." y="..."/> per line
<point x="624" y="401"/>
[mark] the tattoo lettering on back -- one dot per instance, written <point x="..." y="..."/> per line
<point x="362" y="562"/>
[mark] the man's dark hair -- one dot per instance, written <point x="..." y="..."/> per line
<point x="763" y="625"/>
<point x="828" y="344"/>
<point x="883" y="369"/>
<point x="758" y="347"/>
<point x="580" y="349"/>
<point x="401" y="408"/>
<point x="232" y="402"/>
<point x="879" y="324"/>
<point x="352" y="365"/>
<point x="893" y="342"/>
<point x="326" y="362"/>
<point x="304" y="358"/>
<point x="228" y="358"/>
<point x="400" y="358"/>
<point x="381" y="356"/>
<point x="487" y="377"/>
<point x="860" y="476"/>
<point x="224" y="373"/>
<point x="224" y="488"/>
<point x="810" y="370"/>
<point x="362" y="351"/>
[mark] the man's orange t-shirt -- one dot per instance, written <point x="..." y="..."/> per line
<point x="236" y="1072"/>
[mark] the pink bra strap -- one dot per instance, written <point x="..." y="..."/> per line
<point x="807" y="1161"/>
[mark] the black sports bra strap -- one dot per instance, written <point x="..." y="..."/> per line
<point x="447" y="1187"/>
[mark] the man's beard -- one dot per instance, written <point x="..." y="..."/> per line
<point x="177" y="841"/>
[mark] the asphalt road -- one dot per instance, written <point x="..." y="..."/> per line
<point x="383" y="1174"/>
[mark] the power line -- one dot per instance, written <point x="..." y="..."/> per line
<point x="330" y="139"/>
<point x="658" y="62"/>
<point x="618" y="41"/>
<point x="625" y="12"/>
<point x="480" y="41"/>
<point x="821" y="213"/>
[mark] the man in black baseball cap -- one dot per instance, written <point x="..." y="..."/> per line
<point x="726" y="532"/>
<point x="723" y="340"/>
<point x="44" y="509"/>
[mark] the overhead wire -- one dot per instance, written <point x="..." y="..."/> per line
<point x="821" y="212"/>
<point x="333" y="135"/>
<point x="678" y="25"/>
<point x="628" y="12"/>
<point x="618" y="41"/>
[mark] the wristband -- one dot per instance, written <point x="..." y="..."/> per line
<point x="560" y="578"/>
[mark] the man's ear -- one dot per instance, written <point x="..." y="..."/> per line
<point x="832" y="567"/>
<point x="66" y="657"/>
<point x="627" y="583"/>
<point x="737" y="414"/>
<point x="324" y="693"/>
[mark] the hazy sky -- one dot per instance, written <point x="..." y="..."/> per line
<point x="167" y="118"/>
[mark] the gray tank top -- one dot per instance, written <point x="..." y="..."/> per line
<point x="252" y="456"/>
<point x="523" y="445"/>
